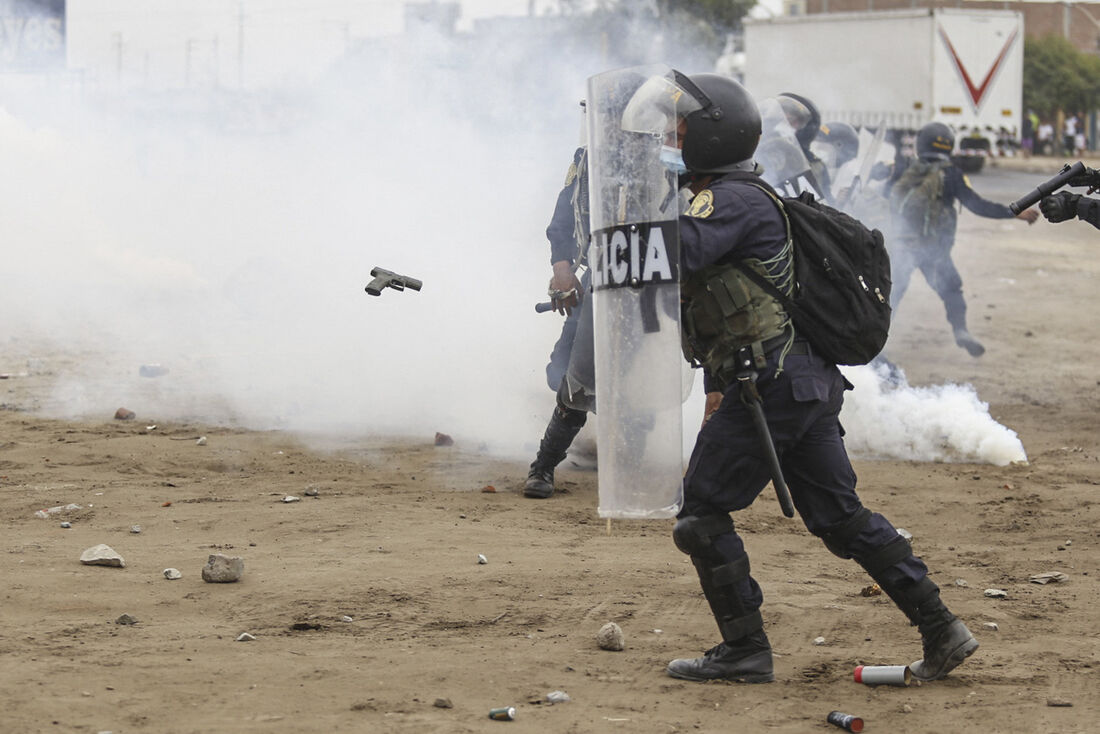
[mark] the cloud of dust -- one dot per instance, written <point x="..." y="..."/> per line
<point x="945" y="423"/>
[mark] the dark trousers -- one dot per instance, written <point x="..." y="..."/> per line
<point x="933" y="258"/>
<point x="727" y="470"/>
<point x="563" y="348"/>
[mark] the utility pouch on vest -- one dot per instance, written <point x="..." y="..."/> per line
<point x="725" y="310"/>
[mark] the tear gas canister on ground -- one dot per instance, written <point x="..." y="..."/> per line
<point x="847" y="722"/>
<point x="883" y="675"/>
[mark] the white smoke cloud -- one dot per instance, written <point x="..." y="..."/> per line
<point x="141" y="230"/>
<point x="945" y="423"/>
<point x="228" y="237"/>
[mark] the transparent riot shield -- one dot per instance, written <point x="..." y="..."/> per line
<point x="779" y="152"/>
<point x="634" y="260"/>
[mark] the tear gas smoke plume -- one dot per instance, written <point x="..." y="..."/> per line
<point x="238" y="261"/>
<point x="228" y="237"/>
<point x="936" y="423"/>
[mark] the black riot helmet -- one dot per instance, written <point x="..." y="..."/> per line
<point x="935" y="140"/>
<point x="805" y="121"/>
<point x="843" y="138"/>
<point x="718" y="143"/>
<point x="717" y="120"/>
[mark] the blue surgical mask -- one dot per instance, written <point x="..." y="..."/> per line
<point x="673" y="159"/>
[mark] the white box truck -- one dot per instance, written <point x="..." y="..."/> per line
<point x="901" y="68"/>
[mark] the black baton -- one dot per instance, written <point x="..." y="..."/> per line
<point x="751" y="398"/>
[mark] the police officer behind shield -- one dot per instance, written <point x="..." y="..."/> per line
<point x="567" y="232"/>
<point x="732" y="220"/>
<point x="806" y="120"/>
<point x="1065" y="205"/>
<point x="571" y="370"/>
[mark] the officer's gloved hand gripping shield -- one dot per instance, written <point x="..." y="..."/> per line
<point x="635" y="263"/>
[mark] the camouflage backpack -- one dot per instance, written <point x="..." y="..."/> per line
<point x="917" y="202"/>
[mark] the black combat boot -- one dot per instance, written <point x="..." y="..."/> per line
<point x="563" y="427"/>
<point x="748" y="660"/>
<point x="946" y="641"/>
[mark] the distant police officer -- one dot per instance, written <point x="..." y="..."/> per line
<point x="567" y="233"/>
<point x="922" y="201"/>
<point x="726" y="317"/>
<point x="1064" y="205"/>
<point x="837" y="146"/>
<point x="806" y="120"/>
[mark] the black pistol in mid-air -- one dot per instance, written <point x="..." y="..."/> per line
<point x="387" y="279"/>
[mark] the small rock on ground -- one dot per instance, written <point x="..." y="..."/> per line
<point x="222" y="569"/>
<point x="102" y="555"/>
<point x="610" y="637"/>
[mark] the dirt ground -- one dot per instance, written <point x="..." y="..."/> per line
<point x="406" y="631"/>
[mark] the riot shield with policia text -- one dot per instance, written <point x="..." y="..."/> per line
<point x="634" y="260"/>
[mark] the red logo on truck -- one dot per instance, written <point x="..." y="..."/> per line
<point x="976" y="93"/>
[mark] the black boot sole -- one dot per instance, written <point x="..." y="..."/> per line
<point x="757" y="678"/>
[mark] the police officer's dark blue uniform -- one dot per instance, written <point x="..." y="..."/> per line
<point x="732" y="220"/>
<point x="931" y="253"/>
<point x="565" y="232"/>
<point x="562" y="235"/>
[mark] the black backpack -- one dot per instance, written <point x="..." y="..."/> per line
<point x="841" y="302"/>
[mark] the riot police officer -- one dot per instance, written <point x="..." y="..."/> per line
<point x="922" y="200"/>
<point x="1065" y="205"/>
<point x="837" y="146"/>
<point x="567" y="232"/>
<point x="726" y="315"/>
<point x="804" y="117"/>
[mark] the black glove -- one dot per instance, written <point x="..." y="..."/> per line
<point x="1059" y="207"/>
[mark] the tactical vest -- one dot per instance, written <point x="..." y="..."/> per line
<point x="918" y="204"/>
<point x="724" y="310"/>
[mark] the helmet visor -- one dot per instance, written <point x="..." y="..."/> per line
<point x="784" y="109"/>
<point x="657" y="107"/>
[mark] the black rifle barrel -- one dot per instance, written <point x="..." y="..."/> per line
<point x="1048" y="187"/>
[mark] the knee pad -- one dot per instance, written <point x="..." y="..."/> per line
<point x="575" y="402"/>
<point x="571" y="416"/>
<point x="694" y="535"/>
<point x="838" y="538"/>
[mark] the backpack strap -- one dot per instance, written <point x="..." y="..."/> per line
<point x="754" y="180"/>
